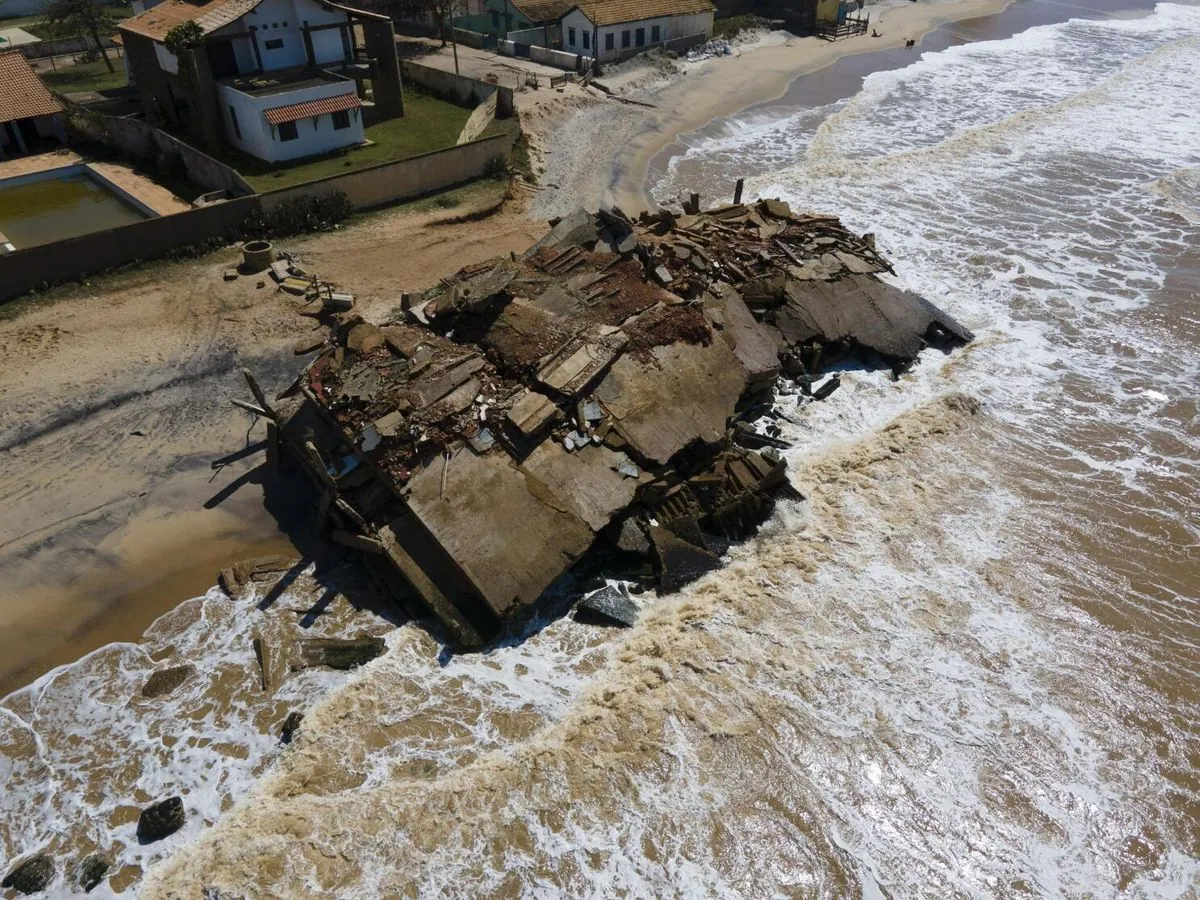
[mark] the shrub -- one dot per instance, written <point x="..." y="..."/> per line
<point x="299" y="215"/>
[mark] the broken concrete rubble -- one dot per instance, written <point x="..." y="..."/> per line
<point x="594" y="395"/>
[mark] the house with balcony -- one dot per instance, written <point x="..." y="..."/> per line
<point x="612" y="30"/>
<point x="277" y="79"/>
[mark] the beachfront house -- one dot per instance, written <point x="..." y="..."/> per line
<point x="525" y="21"/>
<point x="30" y="116"/>
<point x="610" y="30"/>
<point x="277" y="79"/>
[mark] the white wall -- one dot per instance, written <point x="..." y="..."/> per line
<point x="283" y="20"/>
<point x="670" y="28"/>
<point x="260" y="139"/>
<point x="166" y="59"/>
<point x="243" y="48"/>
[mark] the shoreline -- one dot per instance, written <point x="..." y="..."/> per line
<point x="631" y="137"/>
<point x="911" y="21"/>
<point x="570" y="134"/>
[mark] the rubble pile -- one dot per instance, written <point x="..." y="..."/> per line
<point x="594" y="396"/>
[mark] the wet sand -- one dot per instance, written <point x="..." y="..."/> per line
<point x="114" y="406"/>
<point x="842" y="77"/>
<point x="599" y="151"/>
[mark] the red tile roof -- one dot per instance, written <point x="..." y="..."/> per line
<point x="22" y="93"/>
<point x="312" y="108"/>
<point x="210" y="15"/>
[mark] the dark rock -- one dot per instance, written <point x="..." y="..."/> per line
<point x="92" y="871"/>
<point x="290" y="726"/>
<point x="160" y="820"/>
<point x="630" y="537"/>
<point x="164" y="681"/>
<point x="340" y="653"/>
<point x="608" y="606"/>
<point x="680" y="561"/>
<point x="827" y="387"/>
<point x="31" y="876"/>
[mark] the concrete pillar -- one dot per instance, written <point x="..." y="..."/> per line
<point x="151" y="80"/>
<point x="202" y="98"/>
<point x="309" y="53"/>
<point x="380" y="42"/>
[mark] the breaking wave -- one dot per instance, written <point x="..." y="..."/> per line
<point x="963" y="666"/>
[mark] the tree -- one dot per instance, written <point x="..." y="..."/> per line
<point x="83" y="17"/>
<point x="441" y="11"/>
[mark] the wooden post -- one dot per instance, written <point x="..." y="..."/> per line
<point x="737" y="191"/>
<point x="257" y="392"/>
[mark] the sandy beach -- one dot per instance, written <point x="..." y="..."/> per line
<point x="115" y="398"/>
<point x="596" y="150"/>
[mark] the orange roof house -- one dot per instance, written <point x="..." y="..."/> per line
<point x="29" y="113"/>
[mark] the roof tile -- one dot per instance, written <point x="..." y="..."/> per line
<point x="616" y="12"/>
<point x="22" y="93"/>
<point x="311" y="108"/>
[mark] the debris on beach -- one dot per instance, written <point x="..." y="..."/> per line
<point x="719" y="47"/>
<point x="604" y="399"/>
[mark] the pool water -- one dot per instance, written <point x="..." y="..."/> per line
<point x="41" y="210"/>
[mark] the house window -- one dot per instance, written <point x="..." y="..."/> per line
<point x="275" y="44"/>
<point x="641" y="37"/>
<point x="609" y="41"/>
<point x="625" y="38"/>
<point x="341" y="119"/>
<point x="287" y="131"/>
<point x="571" y="36"/>
<point x="655" y="34"/>
<point x="586" y="38"/>
<point x="233" y="119"/>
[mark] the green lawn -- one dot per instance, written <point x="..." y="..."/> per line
<point x="85" y="77"/>
<point x="427" y="124"/>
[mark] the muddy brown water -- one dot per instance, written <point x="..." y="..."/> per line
<point x="964" y="667"/>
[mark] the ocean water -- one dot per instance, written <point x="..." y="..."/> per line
<point x="965" y="666"/>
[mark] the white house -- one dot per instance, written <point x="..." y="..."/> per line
<point x="278" y="79"/>
<point x="608" y="30"/>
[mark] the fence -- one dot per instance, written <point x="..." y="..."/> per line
<point x="62" y="47"/>
<point x="32" y="268"/>
<point x="133" y="138"/>
<point x="28" y="269"/>
<point x="459" y="88"/>
<point x="404" y="179"/>
<point x="848" y="27"/>
<point x="560" y="59"/>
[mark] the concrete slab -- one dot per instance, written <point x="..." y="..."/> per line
<point x="655" y="400"/>
<point x="586" y="482"/>
<point x="508" y="543"/>
<point x="142" y="189"/>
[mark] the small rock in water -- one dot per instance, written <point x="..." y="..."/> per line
<point x="164" y="681"/>
<point x="340" y="653"/>
<point x="160" y="820"/>
<point x="290" y="726"/>
<point x="31" y="876"/>
<point x="827" y="387"/>
<point x="607" y="606"/>
<point x="92" y="871"/>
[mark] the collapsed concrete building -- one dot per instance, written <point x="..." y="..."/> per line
<point x="596" y="396"/>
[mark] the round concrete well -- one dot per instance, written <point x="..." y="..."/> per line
<point x="257" y="255"/>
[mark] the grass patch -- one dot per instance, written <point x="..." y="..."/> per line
<point x="428" y="124"/>
<point x="93" y="76"/>
<point x="735" y="25"/>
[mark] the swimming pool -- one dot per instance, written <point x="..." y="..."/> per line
<point x="63" y="203"/>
